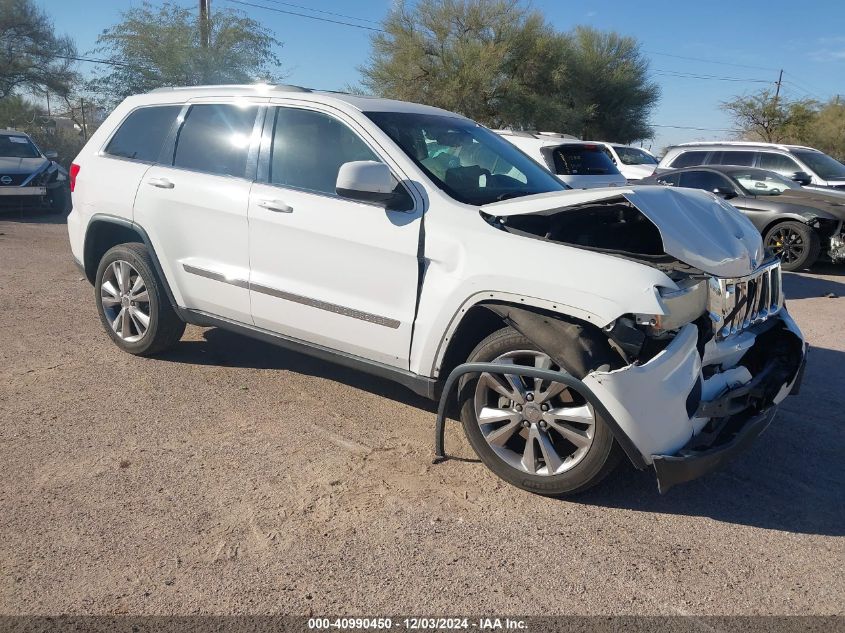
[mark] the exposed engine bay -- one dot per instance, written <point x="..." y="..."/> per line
<point x="698" y="376"/>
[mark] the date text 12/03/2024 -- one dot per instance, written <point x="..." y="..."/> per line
<point x="417" y="624"/>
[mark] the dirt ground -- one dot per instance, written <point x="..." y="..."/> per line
<point x="230" y="476"/>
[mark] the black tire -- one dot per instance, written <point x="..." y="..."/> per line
<point x="165" y="328"/>
<point x="58" y="201"/>
<point x="601" y="458"/>
<point x="797" y="244"/>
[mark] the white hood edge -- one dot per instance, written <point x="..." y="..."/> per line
<point x="697" y="227"/>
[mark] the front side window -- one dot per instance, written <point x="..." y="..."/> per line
<point x="825" y="167"/>
<point x="469" y="162"/>
<point x="779" y="163"/>
<point x="763" y="183"/>
<point x="744" y="159"/>
<point x="142" y="135"/>
<point x="670" y="180"/>
<point x="582" y="160"/>
<point x="309" y="148"/>
<point x="706" y="180"/>
<point x="215" y="139"/>
<point x="689" y="159"/>
<point x="634" y="156"/>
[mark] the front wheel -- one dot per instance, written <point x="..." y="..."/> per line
<point x="796" y="244"/>
<point x="539" y="436"/>
<point x="132" y="304"/>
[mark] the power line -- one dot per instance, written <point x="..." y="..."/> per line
<point x="310" y="17"/>
<point x="79" y="58"/>
<point x="700" y="129"/>
<point x="338" y="15"/>
<point x="710" y="61"/>
<point x="686" y="75"/>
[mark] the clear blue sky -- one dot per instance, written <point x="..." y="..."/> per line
<point x="751" y="39"/>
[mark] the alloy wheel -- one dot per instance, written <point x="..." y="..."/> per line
<point x="125" y="301"/>
<point x="536" y="426"/>
<point x="787" y="244"/>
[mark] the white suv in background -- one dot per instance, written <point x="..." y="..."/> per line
<point x="635" y="163"/>
<point x="403" y="240"/>
<point x="805" y="165"/>
<point x="580" y="164"/>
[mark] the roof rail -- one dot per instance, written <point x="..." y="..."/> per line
<point x="279" y="87"/>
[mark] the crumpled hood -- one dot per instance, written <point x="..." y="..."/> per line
<point x="10" y="165"/>
<point x="696" y="227"/>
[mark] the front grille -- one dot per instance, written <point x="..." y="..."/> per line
<point x="14" y="180"/>
<point x="738" y="303"/>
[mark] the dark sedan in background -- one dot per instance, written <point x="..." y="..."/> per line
<point x="30" y="180"/>
<point x="797" y="224"/>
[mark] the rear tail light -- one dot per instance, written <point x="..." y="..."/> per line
<point x="74" y="170"/>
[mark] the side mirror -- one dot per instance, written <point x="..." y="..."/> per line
<point x="802" y="178"/>
<point x="365" y="180"/>
<point x="51" y="155"/>
<point x="725" y="192"/>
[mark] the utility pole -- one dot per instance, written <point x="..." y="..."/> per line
<point x="48" y="103"/>
<point x="84" y="125"/>
<point x="778" y="83"/>
<point x="205" y="9"/>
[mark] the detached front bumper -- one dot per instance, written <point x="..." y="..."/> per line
<point x="689" y="413"/>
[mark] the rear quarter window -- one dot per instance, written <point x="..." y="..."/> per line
<point x="142" y="134"/>
<point x="689" y="159"/>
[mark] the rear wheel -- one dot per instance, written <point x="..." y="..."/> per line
<point x="538" y="435"/>
<point x="796" y="244"/>
<point x="133" y="307"/>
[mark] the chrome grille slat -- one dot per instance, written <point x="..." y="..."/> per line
<point x="738" y="303"/>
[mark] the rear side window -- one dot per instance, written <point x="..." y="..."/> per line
<point x="309" y="148"/>
<point x="706" y="180"/>
<point x="689" y="159"/>
<point x="779" y="163"/>
<point x="215" y="139"/>
<point x="743" y="159"/>
<point x="582" y="160"/>
<point x="141" y="136"/>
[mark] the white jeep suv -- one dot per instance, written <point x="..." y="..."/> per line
<point x="407" y="241"/>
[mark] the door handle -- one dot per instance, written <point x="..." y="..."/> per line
<point x="161" y="183"/>
<point x="275" y="205"/>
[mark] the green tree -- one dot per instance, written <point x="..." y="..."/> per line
<point x="482" y="58"/>
<point x="32" y="57"/>
<point x="761" y="117"/>
<point x="827" y="130"/>
<point x="609" y="86"/>
<point x="503" y="65"/>
<point x="161" y="46"/>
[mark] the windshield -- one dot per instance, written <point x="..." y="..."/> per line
<point x="467" y="161"/>
<point x="758" y="182"/>
<point x="17" y="147"/>
<point x="634" y="156"/>
<point x="824" y="166"/>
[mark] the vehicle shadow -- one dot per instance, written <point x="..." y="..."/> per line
<point x="791" y="479"/>
<point x="222" y="348"/>
<point x="810" y="285"/>
<point x="32" y="217"/>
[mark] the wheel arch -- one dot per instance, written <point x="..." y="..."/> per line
<point x="106" y="231"/>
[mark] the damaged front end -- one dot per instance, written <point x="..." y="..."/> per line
<point x="691" y="386"/>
